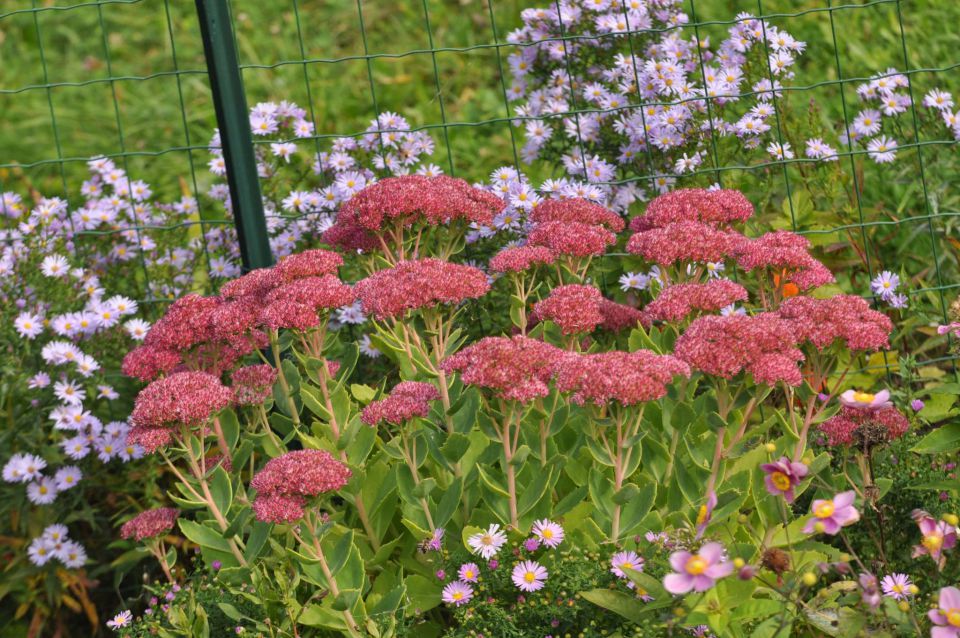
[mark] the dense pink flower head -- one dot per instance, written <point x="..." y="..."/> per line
<point x="320" y="293"/>
<point x="285" y="481"/>
<point x="762" y="345"/>
<point x="413" y="198"/>
<point x="256" y="283"/>
<point x="572" y="238"/>
<point x="685" y="242"/>
<point x="347" y="234"/>
<point x="289" y="314"/>
<point x="150" y="439"/>
<point x="576" y="210"/>
<point x="680" y="300"/>
<point x="516" y="368"/>
<point x="309" y="263"/>
<point x="625" y="377"/>
<point x="715" y="208"/>
<point x="575" y="308"/>
<point x="187" y="398"/>
<point x="521" y="258"/>
<point x="149" y="362"/>
<point x="407" y="400"/>
<point x="422" y="283"/>
<point x="697" y="572"/>
<point x="787" y="252"/>
<point x="253" y="384"/>
<point x="854" y="426"/>
<point x="185" y="324"/>
<point x="844" y="317"/>
<point x="617" y="316"/>
<point x="150" y="523"/>
<point x="277" y="508"/>
<point x="234" y="318"/>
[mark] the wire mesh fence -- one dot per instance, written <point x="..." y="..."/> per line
<point x="127" y="80"/>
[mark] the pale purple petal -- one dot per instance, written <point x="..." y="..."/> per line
<point x="678" y="560"/>
<point x="678" y="583"/>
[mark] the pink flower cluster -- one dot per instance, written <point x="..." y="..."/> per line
<point x="715" y="208"/>
<point x="181" y="399"/>
<point x="575" y="308"/>
<point x="844" y="317"/>
<point x="297" y="304"/>
<point x="680" y="300"/>
<point x="572" y="238"/>
<point x="253" y="384"/>
<point x="625" y="377"/>
<point x="150" y="523"/>
<point x="577" y="210"/>
<point x="786" y="252"/>
<point x="854" y="426"/>
<point x="762" y="345"/>
<point x="579" y="309"/>
<point x="520" y="259"/>
<point x="685" y="241"/>
<point x="516" y="368"/>
<point x="617" y="316"/>
<point x="407" y="400"/>
<point x="309" y="263"/>
<point x="214" y="333"/>
<point x="285" y="483"/>
<point x="409" y="199"/>
<point x="422" y="283"/>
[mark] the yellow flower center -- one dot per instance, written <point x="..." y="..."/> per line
<point x="863" y="397"/>
<point x="626" y="565"/>
<point x="824" y="509"/>
<point x="695" y="565"/>
<point x="486" y="539"/>
<point x="953" y="617"/>
<point x="43" y="489"/>
<point x="457" y="595"/>
<point x="702" y="515"/>
<point x="547" y="533"/>
<point x="468" y="574"/>
<point x="932" y="542"/>
<point x="780" y="481"/>
<point x="898" y="588"/>
<point x="529" y="577"/>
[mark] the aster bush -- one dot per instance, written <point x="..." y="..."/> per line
<point x="66" y="321"/>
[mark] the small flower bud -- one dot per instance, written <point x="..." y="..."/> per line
<point x="951" y="519"/>
<point x="809" y="579"/>
<point x="738" y="563"/>
<point x="770" y="447"/>
<point x="904" y="605"/>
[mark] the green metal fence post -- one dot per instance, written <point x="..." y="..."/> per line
<point x="235" y="138"/>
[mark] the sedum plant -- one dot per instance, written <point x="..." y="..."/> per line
<point x="666" y="440"/>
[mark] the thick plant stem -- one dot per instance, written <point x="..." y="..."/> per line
<point x="335" y="428"/>
<point x="222" y="441"/>
<point x="410" y="458"/>
<point x="156" y="548"/>
<point x="508" y="452"/>
<point x="291" y="404"/>
<point x="331" y="581"/>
